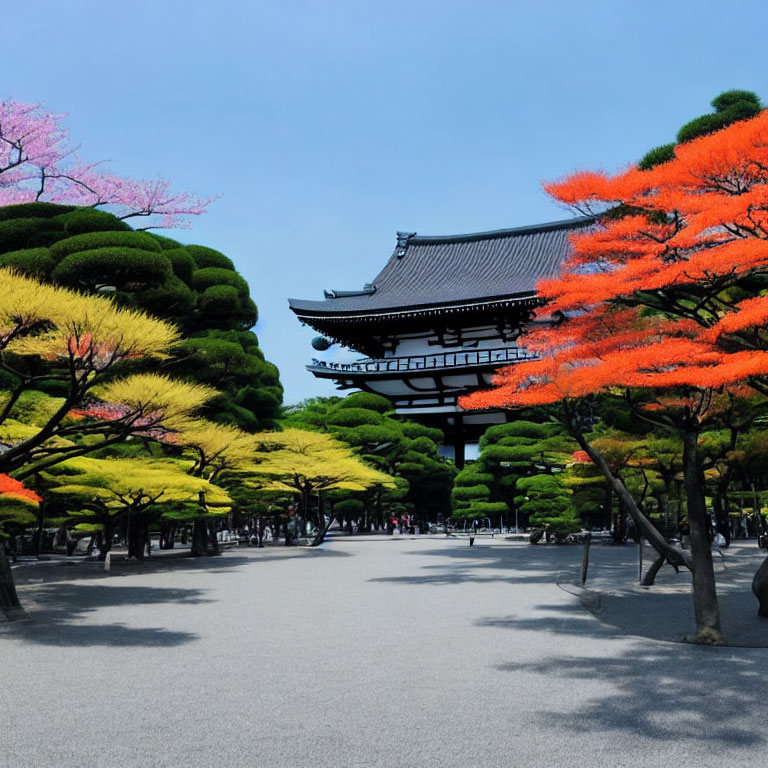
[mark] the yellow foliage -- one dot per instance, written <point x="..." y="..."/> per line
<point x="298" y="460"/>
<point x="172" y="401"/>
<point x="84" y="326"/>
<point x="218" y="446"/>
<point x="131" y="479"/>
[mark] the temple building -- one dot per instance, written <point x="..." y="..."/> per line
<point x="438" y="320"/>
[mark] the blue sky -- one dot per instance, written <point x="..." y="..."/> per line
<point x="329" y="125"/>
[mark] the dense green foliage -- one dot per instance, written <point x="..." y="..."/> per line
<point x="405" y="450"/>
<point x="193" y="286"/>
<point x="729" y="106"/>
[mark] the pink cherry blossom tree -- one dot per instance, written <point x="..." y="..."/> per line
<point x="38" y="163"/>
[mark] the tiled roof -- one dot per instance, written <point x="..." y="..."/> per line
<point x="429" y="271"/>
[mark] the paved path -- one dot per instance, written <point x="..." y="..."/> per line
<point x="418" y="652"/>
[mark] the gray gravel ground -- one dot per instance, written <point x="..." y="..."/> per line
<point x="417" y="652"/>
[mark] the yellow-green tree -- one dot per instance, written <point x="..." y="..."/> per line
<point x="52" y="336"/>
<point x="102" y="491"/>
<point x="217" y="449"/>
<point x="304" y="463"/>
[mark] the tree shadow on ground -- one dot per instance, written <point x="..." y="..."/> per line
<point x="666" y="693"/>
<point x="79" y="569"/>
<point x="477" y="565"/>
<point x="57" y="611"/>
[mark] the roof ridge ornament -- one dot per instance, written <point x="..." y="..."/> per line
<point x="403" y="238"/>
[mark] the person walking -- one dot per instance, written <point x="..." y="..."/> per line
<point x="471" y="536"/>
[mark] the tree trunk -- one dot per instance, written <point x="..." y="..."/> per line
<point x="137" y="539"/>
<point x="9" y="600"/>
<point x="107" y="535"/>
<point x="720" y="508"/>
<point x="167" y="535"/>
<point x="760" y="588"/>
<point x="650" y="576"/>
<point x="40" y="528"/>
<point x="644" y="526"/>
<point x="212" y="539"/>
<point x="704" y="592"/>
<point x="321" y="535"/>
<point x="199" y="539"/>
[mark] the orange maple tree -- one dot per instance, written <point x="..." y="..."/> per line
<point x="667" y="294"/>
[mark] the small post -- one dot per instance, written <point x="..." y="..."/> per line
<point x="640" y="559"/>
<point x="108" y="561"/>
<point x="585" y="559"/>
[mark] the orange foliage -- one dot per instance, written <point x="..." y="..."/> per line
<point x="706" y="228"/>
<point x="15" y="490"/>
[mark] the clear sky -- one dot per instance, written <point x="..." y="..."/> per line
<point x="329" y="125"/>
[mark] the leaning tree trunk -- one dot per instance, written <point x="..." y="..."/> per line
<point x="644" y="526"/>
<point x="704" y="592"/>
<point x="9" y="600"/>
<point x="760" y="588"/>
<point x="320" y="537"/>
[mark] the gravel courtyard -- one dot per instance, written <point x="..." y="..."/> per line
<point x="415" y="652"/>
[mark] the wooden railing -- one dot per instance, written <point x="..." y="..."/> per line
<point x="464" y="359"/>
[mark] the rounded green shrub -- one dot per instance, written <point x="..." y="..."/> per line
<point x="173" y="298"/>
<point x="412" y="429"/>
<point x="730" y="107"/>
<point x="249" y="315"/>
<point x="45" y="238"/>
<point x="33" y="211"/>
<point x="349" y="508"/>
<point x="90" y="220"/>
<point x="182" y="263"/>
<point x="259" y="400"/>
<point x="219" y="301"/>
<point x="657" y="156"/>
<point x="166" y="243"/>
<point x="207" y="257"/>
<point x="422" y="445"/>
<point x="468" y="492"/>
<point x="354" y="417"/>
<point x="113" y="266"/>
<point x="209" y="276"/>
<point x="728" y="99"/>
<point x="366" y="400"/>
<point x="16" y="234"/>
<point x="99" y="240"/>
<point x="35" y="262"/>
